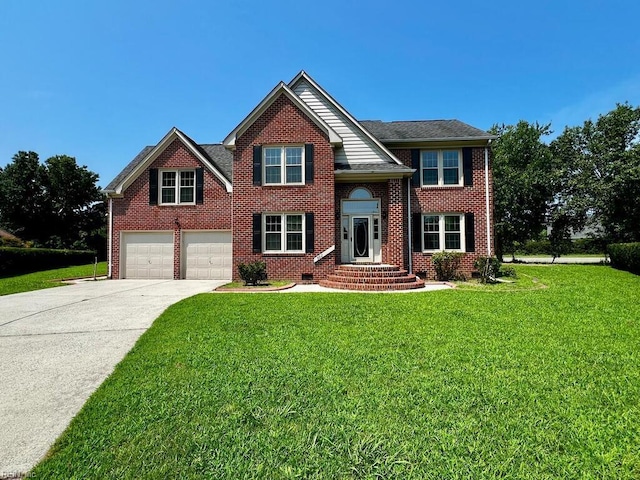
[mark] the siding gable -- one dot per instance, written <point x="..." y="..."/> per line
<point x="356" y="146"/>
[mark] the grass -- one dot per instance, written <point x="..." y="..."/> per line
<point x="530" y="383"/>
<point x="47" y="278"/>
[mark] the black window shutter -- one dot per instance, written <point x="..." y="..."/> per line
<point x="415" y="163"/>
<point x="467" y="166"/>
<point x="153" y="186"/>
<point x="309" y="233"/>
<point x="469" y="232"/>
<point x="308" y="163"/>
<point x="257" y="233"/>
<point x="416" y="225"/>
<point x="199" y="186"/>
<point x="257" y="164"/>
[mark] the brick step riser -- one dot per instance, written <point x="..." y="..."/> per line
<point x="373" y="268"/>
<point x="374" y="280"/>
<point x="372" y="287"/>
<point x="352" y="274"/>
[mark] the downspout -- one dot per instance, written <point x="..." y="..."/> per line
<point x="110" y="237"/>
<point x="486" y="195"/>
<point x="409" y="236"/>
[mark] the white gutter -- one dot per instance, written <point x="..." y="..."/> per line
<point x="409" y="232"/>
<point x="486" y="195"/>
<point x="110" y="237"/>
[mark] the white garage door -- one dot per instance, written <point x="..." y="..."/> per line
<point x="148" y="255"/>
<point x="208" y="255"/>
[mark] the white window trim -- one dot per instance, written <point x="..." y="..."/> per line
<point x="441" y="232"/>
<point x="283" y="165"/>
<point x="283" y="233"/>
<point x="441" y="168"/>
<point x="176" y="186"/>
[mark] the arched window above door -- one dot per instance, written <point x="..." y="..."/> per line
<point x="360" y="194"/>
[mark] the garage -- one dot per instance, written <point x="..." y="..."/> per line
<point x="147" y="255"/>
<point x="207" y="255"/>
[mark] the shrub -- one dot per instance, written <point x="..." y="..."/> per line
<point x="534" y="247"/>
<point x="446" y="265"/>
<point x="253" y="273"/>
<point x="11" y="242"/>
<point x="576" y="247"/>
<point x="489" y="269"/>
<point x="507" y="271"/>
<point x="15" y="261"/>
<point x="625" y="256"/>
<point x="589" y="245"/>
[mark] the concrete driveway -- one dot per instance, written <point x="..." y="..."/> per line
<point x="58" y="345"/>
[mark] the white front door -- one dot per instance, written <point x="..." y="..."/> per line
<point x="361" y="248"/>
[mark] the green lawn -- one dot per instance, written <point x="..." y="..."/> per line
<point x="47" y="278"/>
<point x="466" y="383"/>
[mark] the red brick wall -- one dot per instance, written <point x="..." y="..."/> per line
<point x="454" y="200"/>
<point x="133" y="212"/>
<point x="283" y="123"/>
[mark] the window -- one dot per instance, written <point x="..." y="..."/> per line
<point x="441" y="167"/>
<point x="177" y="187"/>
<point x="283" y="165"/>
<point x="442" y="232"/>
<point x="283" y="232"/>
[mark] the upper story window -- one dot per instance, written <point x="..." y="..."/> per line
<point x="441" y="168"/>
<point x="177" y="187"/>
<point x="283" y="165"/>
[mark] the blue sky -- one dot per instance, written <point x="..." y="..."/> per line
<point x="100" y="80"/>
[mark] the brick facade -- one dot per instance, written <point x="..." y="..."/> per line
<point x="284" y="123"/>
<point x="133" y="212"/>
<point x="455" y="199"/>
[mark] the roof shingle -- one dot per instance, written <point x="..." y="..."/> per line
<point x="216" y="153"/>
<point x="423" y="130"/>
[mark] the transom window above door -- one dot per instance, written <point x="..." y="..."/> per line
<point x="283" y="165"/>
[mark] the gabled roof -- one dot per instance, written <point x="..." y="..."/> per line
<point x="424" y="130"/>
<point x="303" y="76"/>
<point x="214" y="157"/>
<point x="280" y="89"/>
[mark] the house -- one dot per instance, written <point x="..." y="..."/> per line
<point x="304" y="186"/>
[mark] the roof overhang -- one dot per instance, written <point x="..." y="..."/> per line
<point x="441" y="142"/>
<point x="350" y="176"/>
<point x="174" y="134"/>
<point x="280" y="89"/>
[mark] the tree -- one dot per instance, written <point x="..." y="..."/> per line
<point x="598" y="167"/>
<point x="22" y="196"/>
<point x="523" y="183"/>
<point x="57" y="204"/>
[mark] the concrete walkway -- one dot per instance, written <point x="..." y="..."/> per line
<point x="58" y="345"/>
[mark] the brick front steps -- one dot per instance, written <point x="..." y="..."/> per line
<point x="371" y="278"/>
